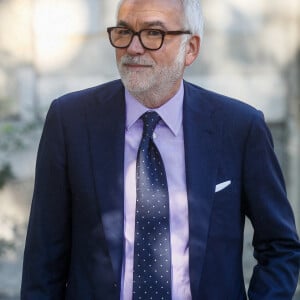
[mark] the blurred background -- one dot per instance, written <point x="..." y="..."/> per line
<point x="251" y="51"/>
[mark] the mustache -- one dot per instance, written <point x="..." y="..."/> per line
<point x="127" y="59"/>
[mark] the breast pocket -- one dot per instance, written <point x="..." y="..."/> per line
<point x="227" y="214"/>
<point x="223" y="185"/>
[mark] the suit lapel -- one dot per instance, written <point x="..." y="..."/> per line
<point x="106" y="121"/>
<point x="201" y="137"/>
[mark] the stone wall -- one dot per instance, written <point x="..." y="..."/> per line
<point x="251" y="51"/>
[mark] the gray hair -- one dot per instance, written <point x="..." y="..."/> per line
<point x="194" y="19"/>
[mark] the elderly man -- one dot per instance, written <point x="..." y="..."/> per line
<point x="143" y="184"/>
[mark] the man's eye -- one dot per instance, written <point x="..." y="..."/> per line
<point x="153" y="33"/>
<point x="123" y="31"/>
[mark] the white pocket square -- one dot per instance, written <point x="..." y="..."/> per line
<point x="222" y="185"/>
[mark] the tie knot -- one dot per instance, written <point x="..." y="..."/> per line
<point x="150" y="119"/>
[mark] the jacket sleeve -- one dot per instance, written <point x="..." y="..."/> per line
<point x="47" y="249"/>
<point x="276" y="244"/>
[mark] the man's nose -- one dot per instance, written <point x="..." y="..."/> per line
<point x="135" y="46"/>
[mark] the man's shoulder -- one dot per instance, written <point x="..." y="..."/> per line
<point x="91" y="95"/>
<point x="100" y="91"/>
<point x="75" y="105"/>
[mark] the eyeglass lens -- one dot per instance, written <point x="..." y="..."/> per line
<point x="149" y="38"/>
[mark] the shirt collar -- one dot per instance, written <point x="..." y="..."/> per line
<point x="170" y="112"/>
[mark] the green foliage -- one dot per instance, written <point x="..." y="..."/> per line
<point x="5" y="246"/>
<point x="14" y="136"/>
<point x="5" y="175"/>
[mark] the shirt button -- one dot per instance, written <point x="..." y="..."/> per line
<point x="154" y="135"/>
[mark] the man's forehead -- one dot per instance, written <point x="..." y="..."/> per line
<point x="139" y="2"/>
<point x="148" y="9"/>
<point x="151" y="5"/>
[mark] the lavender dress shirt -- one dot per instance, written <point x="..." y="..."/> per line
<point x="168" y="137"/>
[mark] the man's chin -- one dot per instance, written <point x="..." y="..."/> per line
<point x="133" y="87"/>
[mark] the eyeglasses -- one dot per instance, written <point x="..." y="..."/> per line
<point x="151" y="39"/>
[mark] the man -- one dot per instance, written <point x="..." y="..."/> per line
<point x="97" y="228"/>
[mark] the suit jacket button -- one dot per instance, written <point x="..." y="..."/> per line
<point x="115" y="285"/>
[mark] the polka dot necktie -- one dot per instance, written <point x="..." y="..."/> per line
<point x="152" y="257"/>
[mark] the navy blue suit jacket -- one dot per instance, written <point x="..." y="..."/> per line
<point x="74" y="244"/>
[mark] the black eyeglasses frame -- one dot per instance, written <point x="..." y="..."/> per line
<point x="138" y="33"/>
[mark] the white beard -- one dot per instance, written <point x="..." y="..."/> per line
<point x="152" y="85"/>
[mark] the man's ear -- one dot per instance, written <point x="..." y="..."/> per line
<point x="192" y="49"/>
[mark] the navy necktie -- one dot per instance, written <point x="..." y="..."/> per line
<point x="152" y="255"/>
